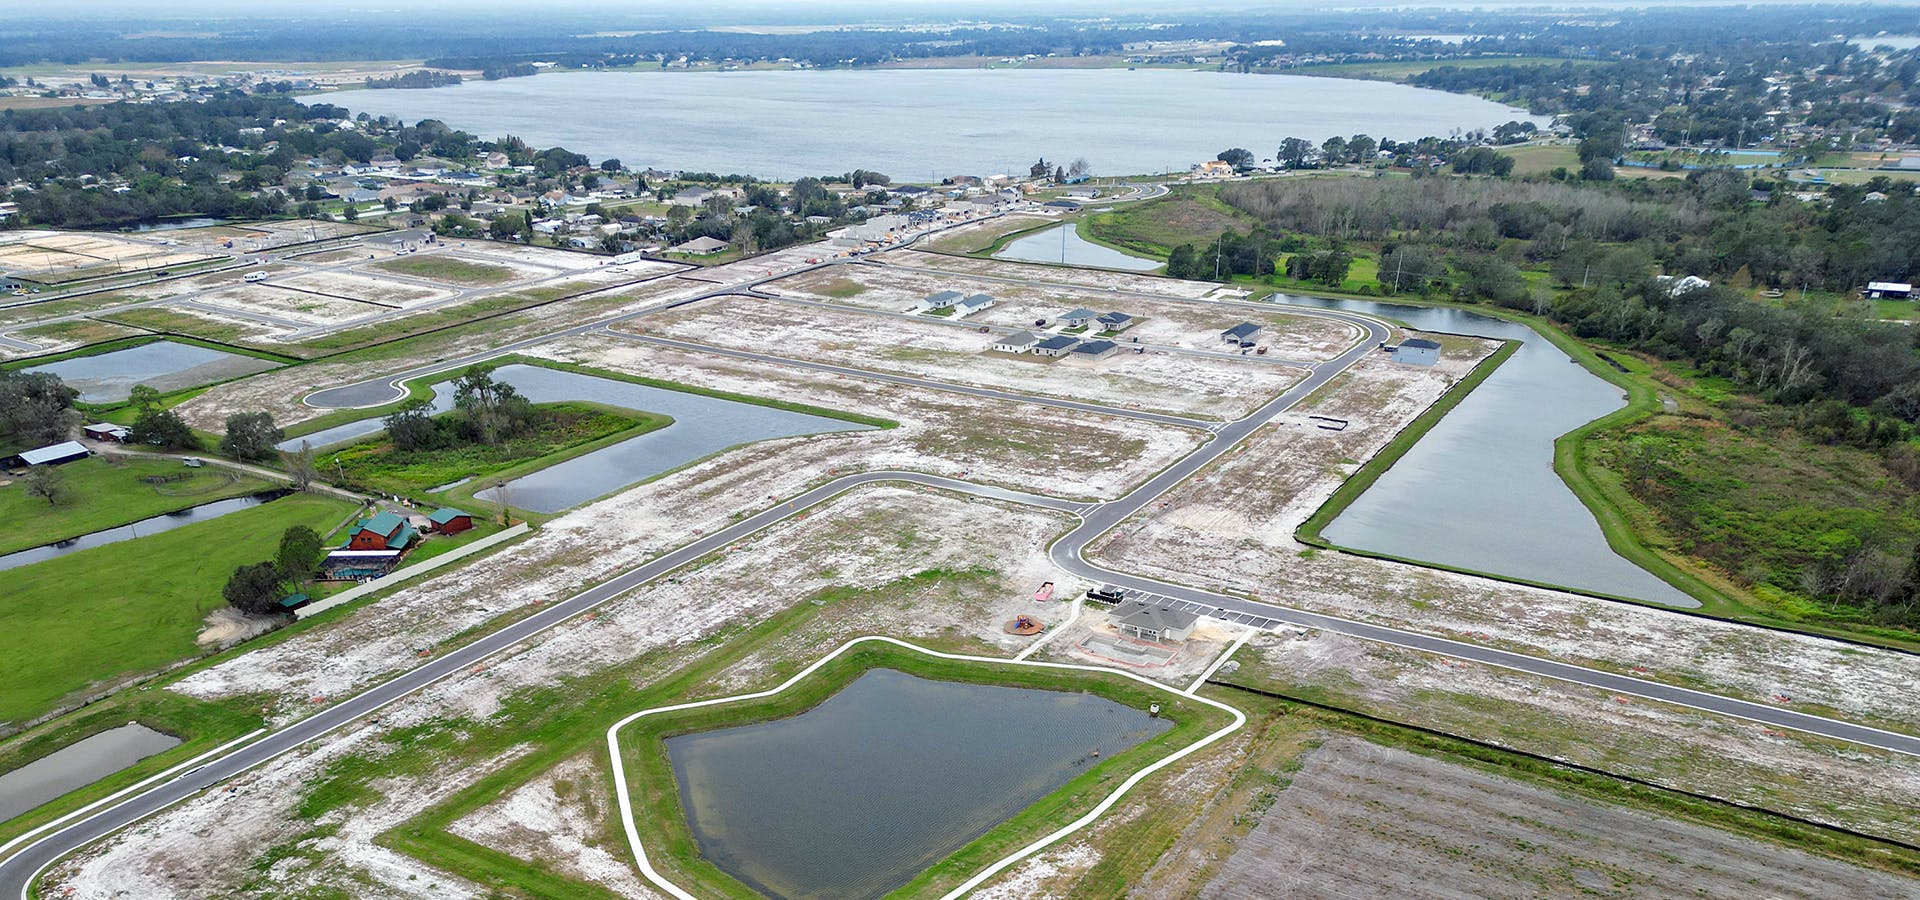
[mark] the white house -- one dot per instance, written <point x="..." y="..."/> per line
<point x="970" y="305"/>
<point x="1078" y="318"/>
<point x="1017" y="342"/>
<point x="941" y="300"/>
<point x="1417" y="352"/>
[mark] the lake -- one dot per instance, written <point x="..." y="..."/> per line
<point x="77" y="765"/>
<point x="926" y="124"/>
<point x="1479" y="491"/>
<point x="856" y="796"/>
<point x="143" y="528"/>
<point x="161" y="365"/>
<point x="1063" y="244"/>
<point x="702" y="426"/>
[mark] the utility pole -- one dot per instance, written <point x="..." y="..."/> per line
<point x="1216" y="254"/>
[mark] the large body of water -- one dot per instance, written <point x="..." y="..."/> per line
<point x="1063" y="244"/>
<point x="77" y="765"/>
<point x="702" y="426"/>
<point x="143" y="528"/>
<point x="1479" y="490"/>
<point x="856" y="796"/>
<point x="925" y="124"/>
<point x="162" y="365"/>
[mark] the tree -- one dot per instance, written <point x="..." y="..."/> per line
<point x="611" y="166"/>
<point x="411" y="427"/>
<point x="301" y="468"/>
<point x="1059" y="174"/>
<point x="251" y="436"/>
<point x="1079" y="168"/>
<point x="1239" y="158"/>
<point x="494" y="409"/>
<point x="299" y="549"/>
<point x="1293" y="152"/>
<point x="1335" y="150"/>
<point x="1362" y="148"/>
<point x="1184" y="262"/>
<point x="162" y="428"/>
<point x="1408" y="269"/>
<point x="143" y="398"/>
<point x="46" y="483"/>
<point x="351" y="213"/>
<point x="254" y="589"/>
<point x="36" y="407"/>
<point x="1039" y="169"/>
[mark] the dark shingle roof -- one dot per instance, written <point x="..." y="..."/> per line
<point x="1420" y="344"/>
<point x="1057" y="342"/>
<point x="1095" y="347"/>
<point x="1243" y="330"/>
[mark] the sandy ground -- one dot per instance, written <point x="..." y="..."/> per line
<point x="1362" y="820"/>
<point x="362" y="287"/>
<point x="1821" y="780"/>
<point x="1091" y="638"/>
<point x="1152" y="381"/>
<point x="1162" y="322"/>
<point x="208" y="846"/>
<point x="558" y="818"/>
<point x="1098" y="279"/>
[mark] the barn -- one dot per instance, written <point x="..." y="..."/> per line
<point x="447" y="520"/>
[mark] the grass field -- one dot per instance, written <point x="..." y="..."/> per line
<point x="104" y="494"/>
<point x="1190" y="215"/>
<point x="447" y="269"/>
<point x="102" y="614"/>
<point x="1540" y="159"/>
<point x="566" y="430"/>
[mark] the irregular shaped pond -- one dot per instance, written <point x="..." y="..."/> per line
<point x="702" y="426"/>
<point x="856" y="796"/>
<point x="161" y="365"/>
<point x="1479" y="490"/>
<point x="77" y="765"/>
<point x="1063" y="244"/>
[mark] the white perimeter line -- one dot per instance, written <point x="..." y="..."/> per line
<point x="660" y="881"/>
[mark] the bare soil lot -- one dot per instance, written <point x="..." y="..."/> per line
<point x="254" y="236"/>
<point x="61" y="256"/>
<point x="1098" y="279"/>
<point x="355" y="286"/>
<point x="1149" y="381"/>
<point x="1360" y="820"/>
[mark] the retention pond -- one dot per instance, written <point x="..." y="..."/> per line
<point x="77" y="765"/>
<point x="1063" y="244"/>
<point x="142" y="528"/>
<point x="856" y="796"/>
<point x="1479" y="491"/>
<point x="702" y="426"/>
<point x="161" y="365"/>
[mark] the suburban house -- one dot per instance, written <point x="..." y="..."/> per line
<point x="1417" y="352"/>
<point x="1147" y="622"/>
<point x="1114" y="321"/>
<point x="1095" y="350"/>
<point x="701" y="246"/>
<point x="1241" y="335"/>
<point x="692" y="196"/>
<point x="385" y="531"/>
<point x="107" y="431"/>
<point x="1888" y="290"/>
<point x="972" y="305"/>
<point x="1214" y="168"/>
<point x="1017" y="342"/>
<point x="447" y="520"/>
<point x="941" y="300"/>
<point x="1058" y="345"/>
<point x="50" y="455"/>
<point x="1079" y="318"/>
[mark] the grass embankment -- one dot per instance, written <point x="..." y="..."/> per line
<point x="563" y="431"/>
<point x="1191" y="214"/>
<point x="1401" y="70"/>
<point x="447" y="269"/>
<point x="102" y="614"/>
<point x="103" y="493"/>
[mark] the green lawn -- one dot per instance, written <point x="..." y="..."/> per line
<point x="105" y="494"/>
<point x="1401" y="70"/>
<point x="566" y="430"/>
<point x="447" y="269"/>
<point x="1543" y="158"/>
<point x="105" y="613"/>
<point x="1187" y="216"/>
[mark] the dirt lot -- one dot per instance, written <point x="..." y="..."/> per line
<point x="60" y="256"/>
<point x="1362" y="820"/>
<point x="354" y="286"/>
<point x="1165" y="323"/>
<point x="255" y="236"/>
<point x="1151" y="381"/>
<point x="1098" y="279"/>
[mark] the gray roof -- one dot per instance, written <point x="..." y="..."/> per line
<point x="1057" y="342"/>
<point x="1156" y="618"/>
<point x="1095" y="347"/>
<point x="1079" y="314"/>
<point x="54" y="453"/>
<point x="976" y="300"/>
<point x="1019" y="339"/>
<point x="1115" y="318"/>
<point x="1243" y="330"/>
<point x="1420" y="344"/>
<point x="944" y="297"/>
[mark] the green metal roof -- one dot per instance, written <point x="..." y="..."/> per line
<point x="292" y="600"/>
<point x="384" y="523"/>
<point x="446" y="514"/>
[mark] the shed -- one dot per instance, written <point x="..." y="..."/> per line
<point x="1095" y="350"/>
<point x="1147" y="622"/>
<point x="1079" y="318"/>
<point x="1417" y="352"/>
<point x="107" y="431"/>
<point x="292" y="602"/>
<point x="447" y="520"/>
<point x="1241" y="335"/>
<point x="385" y="531"/>
<point x="1114" y="321"/>
<point x="1058" y="345"/>
<point x="941" y="300"/>
<point x="1017" y="342"/>
<point x="1888" y="290"/>
<point x="53" y="454"/>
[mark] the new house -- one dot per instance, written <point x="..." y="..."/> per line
<point x="973" y="304"/>
<point x="701" y="246"/>
<point x="1113" y="321"/>
<point x="1017" y="342"/>
<point x="385" y="531"/>
<point x="1147" y="622"/>
<point x="942" y="300"/>
<point x="1058" y="345"/>
<point x="1241" y="335"/>
<point x="1078" y="318"/>
<point x="1417" y="352"/>
<point x="1095" y="350"/>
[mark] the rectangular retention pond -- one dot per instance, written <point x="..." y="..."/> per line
<point x="77" y="765"/>
<point x="856" y="796"/>
<point x="702" y="426"/>
<point x="161" y="365"/>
